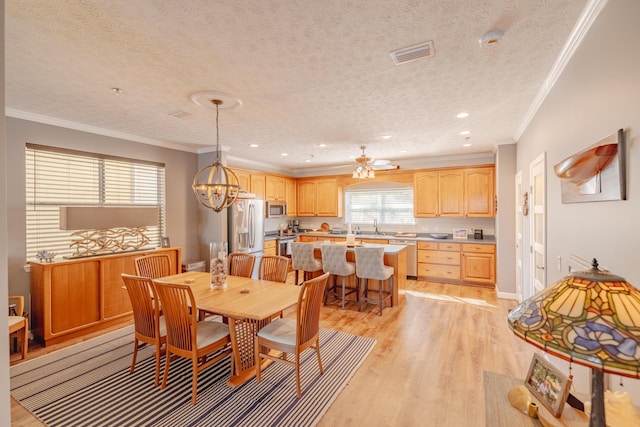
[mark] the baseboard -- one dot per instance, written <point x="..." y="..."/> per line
<point x="508" y="295"/>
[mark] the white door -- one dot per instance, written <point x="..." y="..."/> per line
<point x="518" y="243"/>
<point x="537" y="226"/>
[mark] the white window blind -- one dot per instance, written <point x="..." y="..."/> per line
<point x="58" y="177"/>
<point x="392" y="206"/>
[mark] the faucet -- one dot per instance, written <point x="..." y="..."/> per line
<point x="375" y="226"/>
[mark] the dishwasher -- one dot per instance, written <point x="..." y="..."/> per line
<point x="412" y="255"/>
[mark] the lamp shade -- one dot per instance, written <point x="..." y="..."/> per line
<point x="591" y="318"/>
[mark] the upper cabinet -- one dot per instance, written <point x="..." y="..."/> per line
<point x="479" y="192"/>
<point x="244" y="179"/>
<point x="463" y="192"/>
<point x="319" y="197"/>
<point x="258" y="185"/>
<point x="291" y="197"/>
<point x="275" y="188"/>
<point x="425" y="194"/>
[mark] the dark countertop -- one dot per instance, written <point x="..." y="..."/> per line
<point x="420" y="237"/>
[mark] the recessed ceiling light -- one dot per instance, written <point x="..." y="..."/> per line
<point x="466" y="145"/>
<point x="253" y="145"/>
<point x="462" y="115"/>
<point x="465" y="132"/>
<point x="284" y="154"/>
<point x="386" y="137"/>
<point x="404" y="151"/>
<point x="307" y="160"/>
<point x="322" y="145"/>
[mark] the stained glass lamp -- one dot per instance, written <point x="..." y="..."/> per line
<point x="591" y="318"/>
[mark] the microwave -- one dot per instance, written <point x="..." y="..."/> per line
<point x="276" y="209"/>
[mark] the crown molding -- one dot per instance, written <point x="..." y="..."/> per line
<point x="586" y="20"/>
<point x="47" y="120"/>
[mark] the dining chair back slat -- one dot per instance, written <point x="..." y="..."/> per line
<point x="274" y="268"/>
<point x="153" y="266"/>
<point x="241" y="264"/>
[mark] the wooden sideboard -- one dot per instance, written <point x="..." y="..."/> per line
<point x="76" y="296"/>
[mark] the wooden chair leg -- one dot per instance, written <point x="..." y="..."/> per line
<point x="379" y="297"/>
<point x="296" y="279"/>
<point x="194" y="380"/>
<point x="167" y="361"/>
<point x="157" y="379"/>
<point x="135" y="355"/>
<point x="25" y="341"/>
<point x="299" y="391"/>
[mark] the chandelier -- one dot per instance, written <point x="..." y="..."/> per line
<point x="215" y="186"/>
<point x="364" y="167"/>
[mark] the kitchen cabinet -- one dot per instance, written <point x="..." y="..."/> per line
<point x="270" y="247"/>
<point x="244" y="179"/>
<point x="275" y="188"/>
<point x="258" y="185"/>
<point x="74" y="297"/>
<point x="291" y="197"/>
<point x="439" y="260"/>
<point x="425" y="194"/>
<point x="479" y="263"/>
<point x="306" y="194"/>
<point x="456" y="192"/>
<point x="479" y="193"/>
<point x="438" y="193"/>
<point x="319" y="197"/>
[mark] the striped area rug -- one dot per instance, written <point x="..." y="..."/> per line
<point x="89" y="384"/>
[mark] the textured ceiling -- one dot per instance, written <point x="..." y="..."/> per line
<point x="307" y="72"/>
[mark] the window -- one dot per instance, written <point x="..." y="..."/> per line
<point x="389" y="206"/>
<point x="58" y="177"/>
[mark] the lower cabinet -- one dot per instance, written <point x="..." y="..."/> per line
<point x="439" y="260"/>
<point x="72" y="297"/>
<point x="457" y="262"/>
<point x="270" y="247"/>
<point x="479" y="263"/>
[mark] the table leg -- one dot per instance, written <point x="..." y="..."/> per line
<point x="243" y="332"/>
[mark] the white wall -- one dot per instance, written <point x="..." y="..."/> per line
<point x="5" y="406"/>
<point x="505" y="221"/>
<point x="598" y="93"/>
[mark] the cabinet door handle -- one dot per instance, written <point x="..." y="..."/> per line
<point x="540" y="267"/>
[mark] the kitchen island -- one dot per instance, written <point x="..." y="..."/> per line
<point x="394" y="256"/>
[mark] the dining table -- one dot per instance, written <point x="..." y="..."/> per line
<point x="248" y="305"/>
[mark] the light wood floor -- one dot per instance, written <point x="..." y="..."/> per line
<point x="426" y="368"/>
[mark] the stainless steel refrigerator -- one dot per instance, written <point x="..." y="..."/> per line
<point x="246" y="227"/>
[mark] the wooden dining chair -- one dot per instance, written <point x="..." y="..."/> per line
<point x="20" y="324"/>
<point x="274" y="268"/>
<point x="153" y="266"/>
<point x="241" y="264"/>
<point x="294" y="336"/>
<point x="148" y="323"/>
<point x="189" y="338"/>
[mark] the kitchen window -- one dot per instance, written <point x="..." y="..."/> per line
<point x="58" y="177"/>
<point x="388" y="205"/>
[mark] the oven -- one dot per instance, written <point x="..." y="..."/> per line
<point x="284" y="245"/>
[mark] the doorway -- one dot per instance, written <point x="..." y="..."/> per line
<point x="518" y="243"/>
<point x="537" y="226"/>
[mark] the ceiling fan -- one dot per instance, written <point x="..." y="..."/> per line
<point x="366" y="166"/>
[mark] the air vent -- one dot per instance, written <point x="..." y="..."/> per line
<point x="179" y="114"/>
<point x="411" y="53"/>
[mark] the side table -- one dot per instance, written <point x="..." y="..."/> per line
<point x="500" y="413"/>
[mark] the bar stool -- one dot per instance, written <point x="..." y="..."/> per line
<point x="370" y="265"/>
<point x="302" y="259"/>
<point x="334" y="262"/>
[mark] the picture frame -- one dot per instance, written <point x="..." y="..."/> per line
<point x="164" y="242"/>
<point x="548" y="385"/>
<point x="459" y="233"/>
